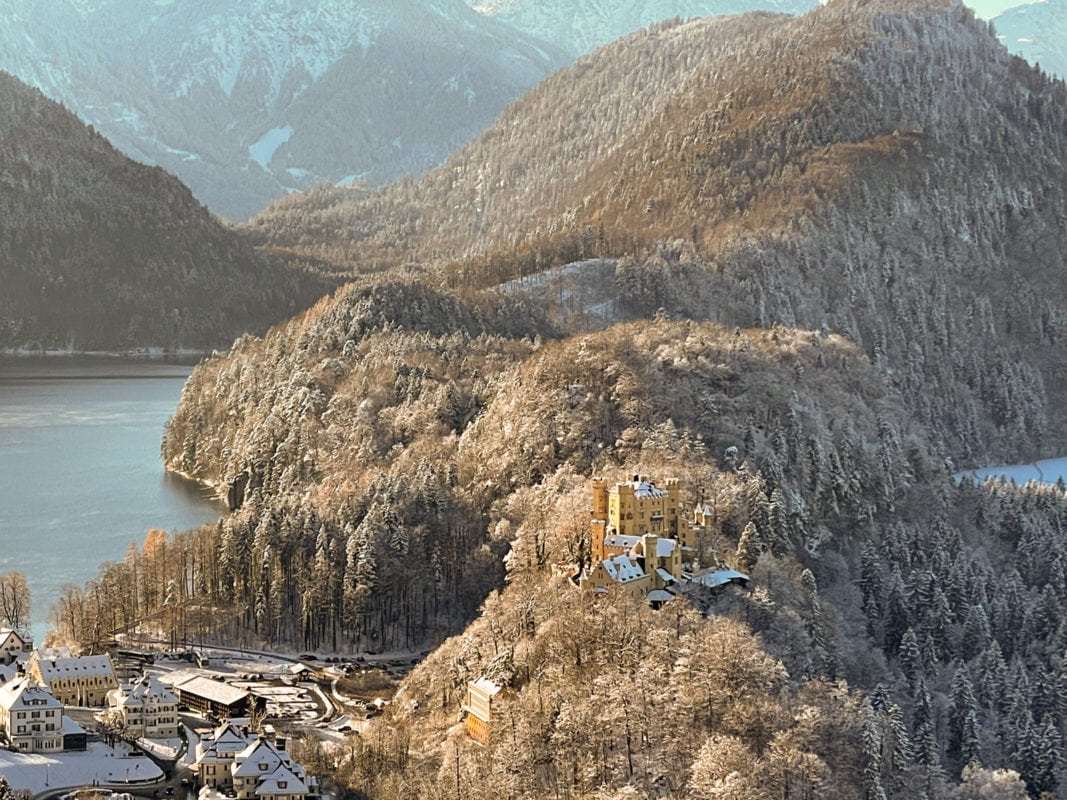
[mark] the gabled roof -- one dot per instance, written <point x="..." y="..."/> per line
<point x="8" y="634"/>
<point x="260" y="751"/>
<point x="6" y="674"/>
<point x="62" y="667"/>
<point x="226" y="740"/>
<point x="270" y="785"/>
<point x="618" y="540"/>
<point x="25" y="693"/>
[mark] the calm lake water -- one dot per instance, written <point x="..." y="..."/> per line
<point x="80" y="470"/>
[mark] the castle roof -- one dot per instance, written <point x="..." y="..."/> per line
<point x="719" y="577"/>
<point x="623" y="569"/>
<point x="647" y="489"/>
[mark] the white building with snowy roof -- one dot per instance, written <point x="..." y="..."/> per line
<point x="146" y="708"/>
<point x="30" y="717"/>
<point x="73" y="680"/>
<point x="212" y="698"/>
<point x="263" y="769"/>
<point x="14" y="645"/>
<point x="215" y="753"/>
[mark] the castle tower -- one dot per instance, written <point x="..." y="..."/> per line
<point x="598" y="519"/>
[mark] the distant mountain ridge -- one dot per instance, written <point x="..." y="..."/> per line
<point x="247" y="99"/>
<point x="98" y="252"/>
<point x="584" y="25"/>
<point x="1037" y="32"/>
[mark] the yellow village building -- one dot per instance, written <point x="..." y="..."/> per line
<point x="73" y="680"/>
<point x="478" y="708"/>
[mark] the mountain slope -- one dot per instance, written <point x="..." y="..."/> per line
<point x="246" y="99"/>
<point x="97" y="251"/>
<point x="767" y="169"/>
<point x="395" y="441"/>
<point x="1038" y="33"/>
<point x="584" y="25"/>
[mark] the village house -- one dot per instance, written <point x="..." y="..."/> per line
<point x="230" y="759"/>
<point x="30" y="717"/>
<point x="264" y="769"/>
<point x="215" y="753"/>
<point x="146" y="708"/>
<point x="478" y="708"/>
<point x="73" y="680"/>
<point x="14" y="645"/>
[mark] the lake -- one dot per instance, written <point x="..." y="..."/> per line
<point x="1050" y="470"/>
<point x="80" y="471"/>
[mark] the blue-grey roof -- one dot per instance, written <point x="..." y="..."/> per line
<point x="718" y="577"/>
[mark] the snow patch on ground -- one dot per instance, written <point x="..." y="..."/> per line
<point x="263" y="150"/>
<point x="166" y="749"/>
<point x="100" y="763"/>
<point x="348" y="180"/>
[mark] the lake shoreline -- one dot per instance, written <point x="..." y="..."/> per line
<point x="81" y="477"/>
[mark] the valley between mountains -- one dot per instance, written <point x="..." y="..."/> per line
<point x="810" y="267"/>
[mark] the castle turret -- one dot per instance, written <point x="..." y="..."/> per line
<point x="598" y="524"/>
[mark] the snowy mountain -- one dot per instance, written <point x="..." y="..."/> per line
<point x="246" y="100"/>
<point x="100" y="252"/>
<point x="584" y="25"/>
<point x="1038" y="33"/>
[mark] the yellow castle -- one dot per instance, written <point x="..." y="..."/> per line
<point x="638" y="533"/>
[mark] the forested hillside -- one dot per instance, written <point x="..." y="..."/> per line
<point x="838" y="239"/>
<point x="98" y="252"/>
<point x="812" y="171"/>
